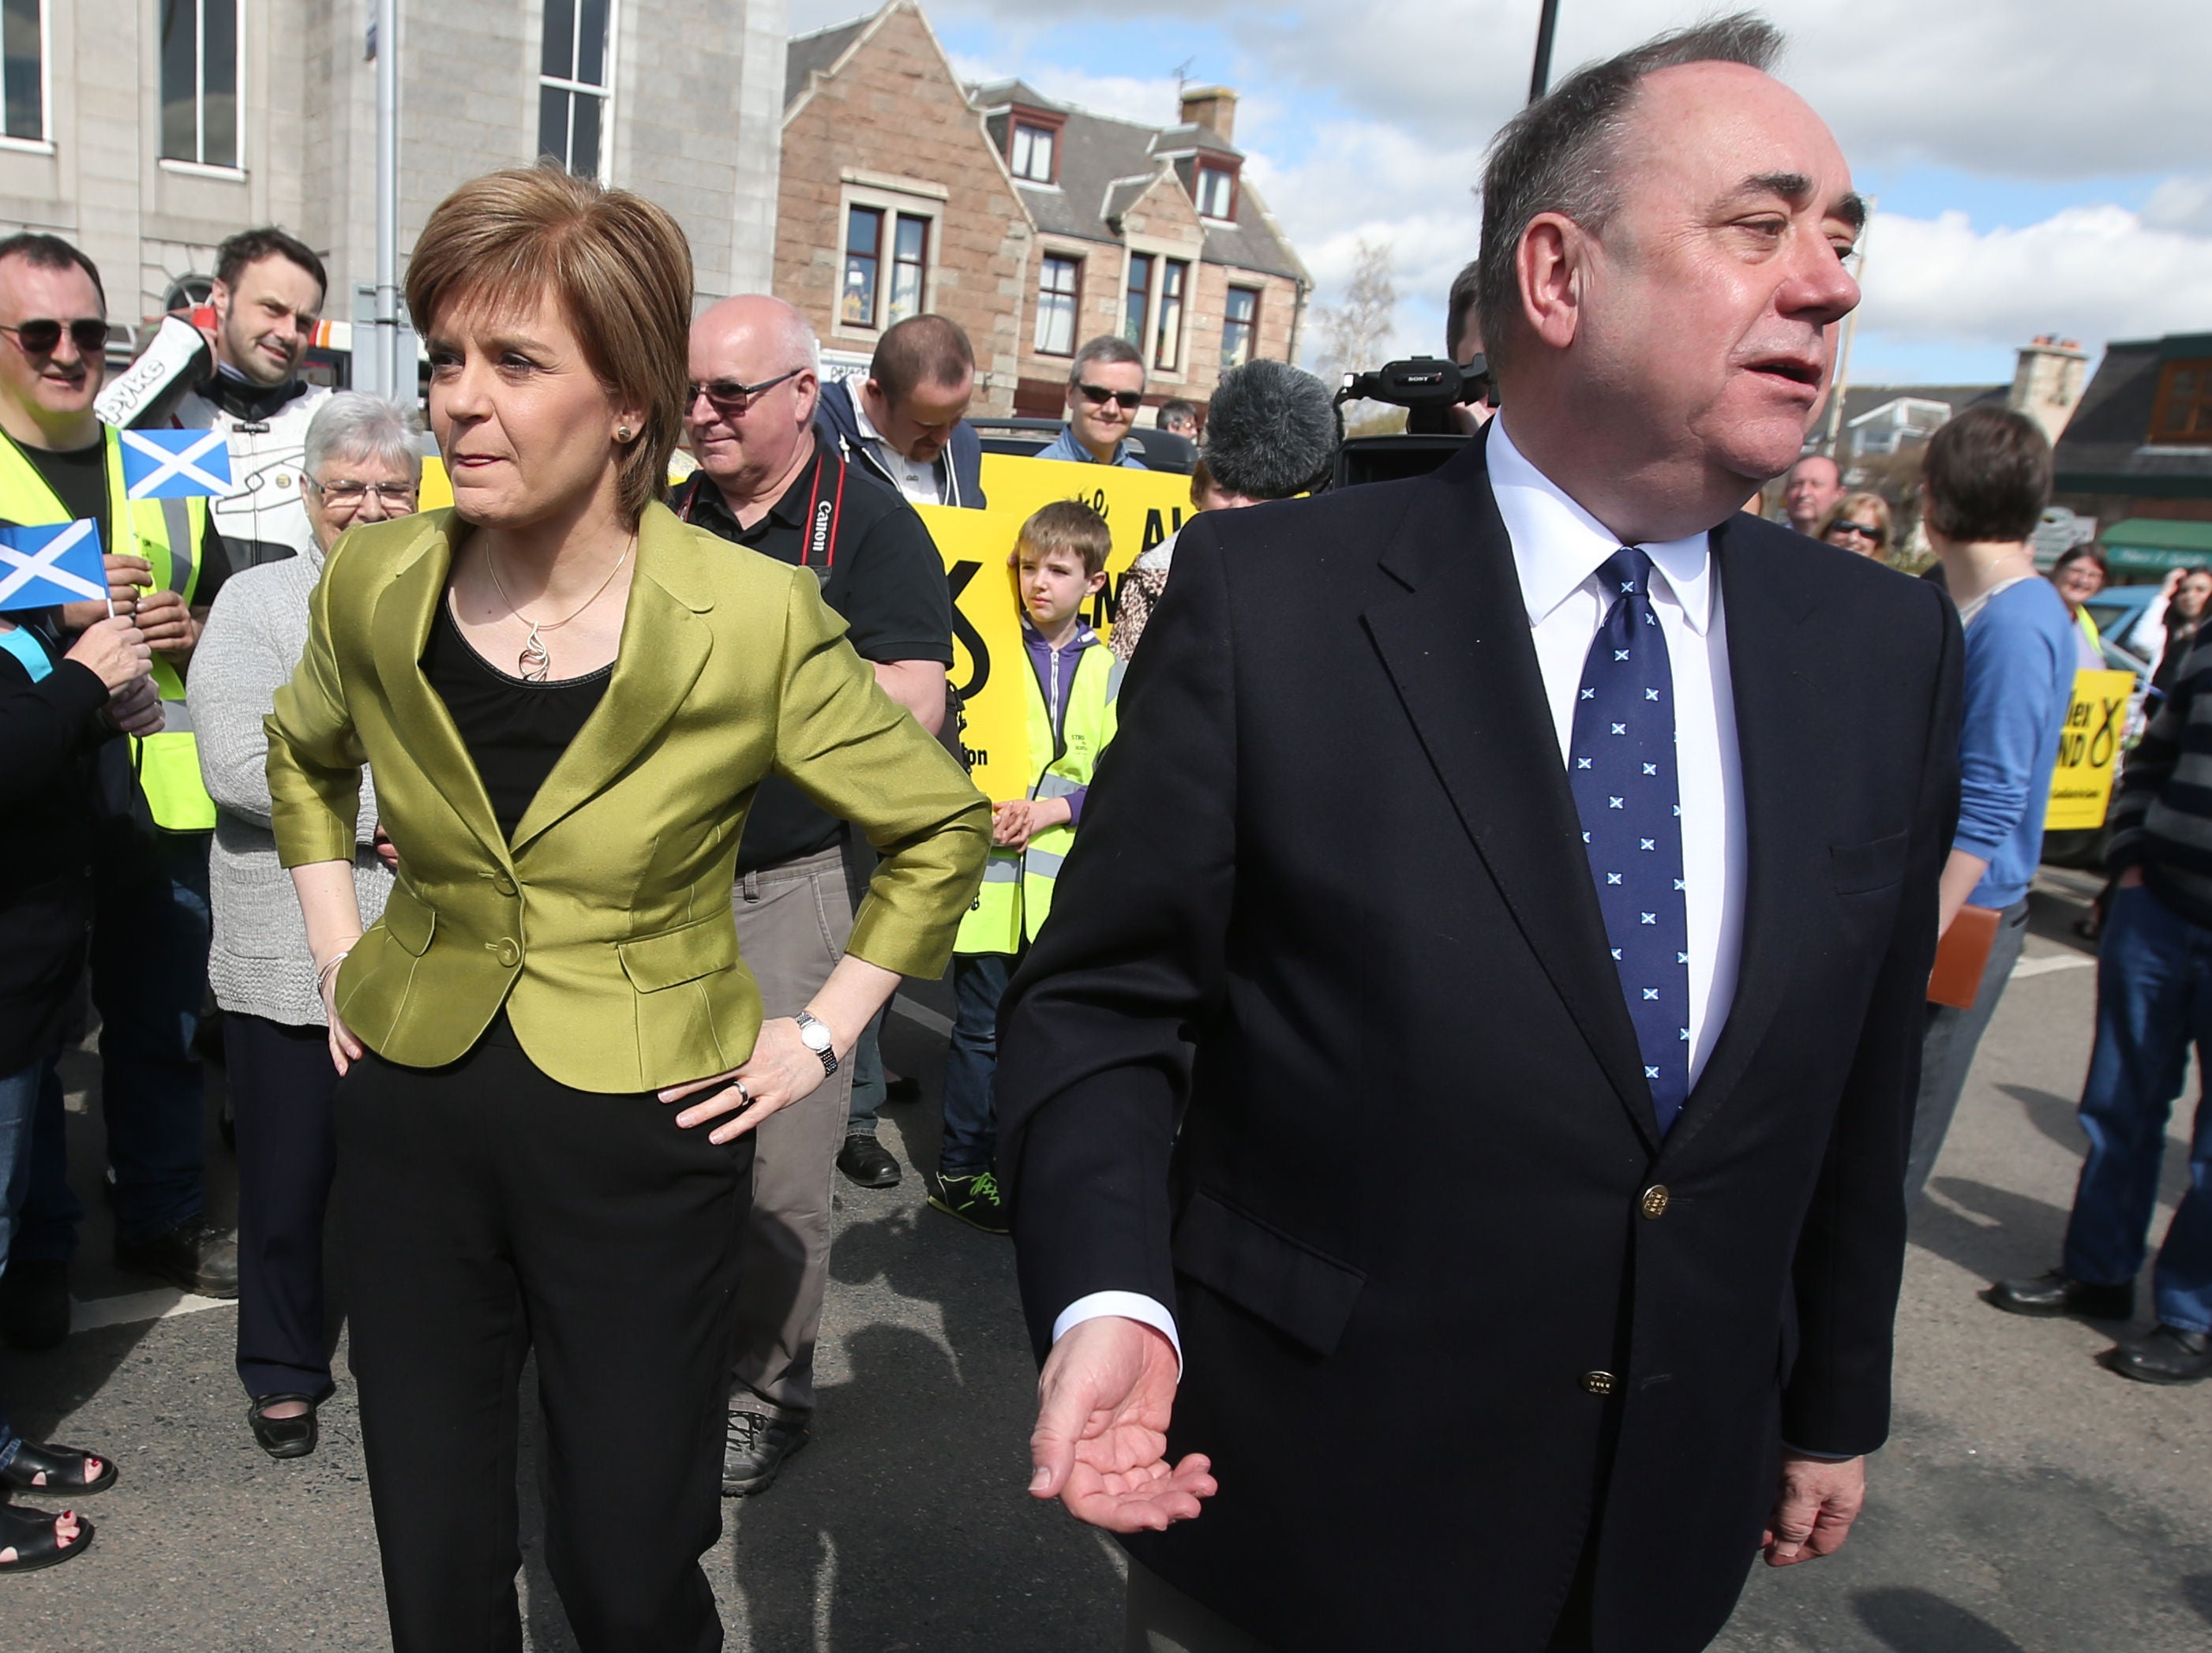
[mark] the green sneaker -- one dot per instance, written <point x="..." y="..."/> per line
<point x="975" y="1201"/>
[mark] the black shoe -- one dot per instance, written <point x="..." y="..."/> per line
<point x="35" y="1303"/>
<point x="975" y="1201"/>
<point x="2057" y="1293"/>
<point x="902" y="1090"/>
<point x="192" y="1256"/>
<point x="2168" y="1355"/>
<point x="868" y="1163"/>
<point x="283" y="1438"/>
<point x="756" y="1448"/>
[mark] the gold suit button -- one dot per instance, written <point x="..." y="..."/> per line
<point x="1654" y="1202"/>
<point x="507" y="952"/>
<point x="503" y="884"/>
<point x="1600" y="1382"/>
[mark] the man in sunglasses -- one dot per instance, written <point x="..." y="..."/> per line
<point x="268" y="299"/>
<point x="166" y="561"/>
<point x="771" y="479"/>
<point x="1105" y="388"/>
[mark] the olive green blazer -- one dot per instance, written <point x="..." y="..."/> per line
<point x="605" y="926"/>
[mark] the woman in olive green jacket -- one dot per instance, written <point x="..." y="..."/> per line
<point x="554" y="1052"/>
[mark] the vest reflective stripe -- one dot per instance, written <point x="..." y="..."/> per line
<point x="166" y="533"/>
<point x="1016" y="894"/>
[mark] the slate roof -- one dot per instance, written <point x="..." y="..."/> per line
<point x="2106" y="443"/>
<point x="808" y="52"/>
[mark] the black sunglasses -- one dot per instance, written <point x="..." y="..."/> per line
<point x="42" y="337"/>
<point x="1845" y="525"/>
<point x="728" y="396"/>
<point x="1098" y="396"/>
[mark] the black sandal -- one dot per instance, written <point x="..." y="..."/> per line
<point x="283" y="1438"/>
<point x="30" y="1533"/>
<point x="57" y="1464"/>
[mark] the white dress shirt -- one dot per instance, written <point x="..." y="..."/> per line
<point x="921" y="484"/>
<point x="1558" y="550"/>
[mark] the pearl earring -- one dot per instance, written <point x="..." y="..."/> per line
<point x="623" y="434"/>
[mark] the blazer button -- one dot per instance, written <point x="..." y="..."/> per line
<point x="1600" y="1382"/>
<point x="503" y="884"/>
<point x="1653" y="1204"/>
<point x="507" y="952"/>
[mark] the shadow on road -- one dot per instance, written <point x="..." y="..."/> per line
<point x="2017" y="1229"/>
<point x="2056" y="1117"/>
<point x="1920" y="1622"/>
<point x="2197" y="1590"/>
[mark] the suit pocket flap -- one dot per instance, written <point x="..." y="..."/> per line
<point x="683" y="954"/>
<point x="408" y="921"/>
<point x="1283" y="1280"/>
<point x="1872" y="866"/>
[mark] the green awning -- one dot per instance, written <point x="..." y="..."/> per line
<point x="2157" y="543"/>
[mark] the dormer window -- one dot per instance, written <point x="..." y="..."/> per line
<point x="1217" y="194"/>
<point x="2183" y="412"/>
<point x="1033" y="148"/>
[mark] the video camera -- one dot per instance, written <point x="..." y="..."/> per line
<point x="1428" y="389"/>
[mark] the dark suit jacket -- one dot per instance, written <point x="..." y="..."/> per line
<point x="1330" y="910"/>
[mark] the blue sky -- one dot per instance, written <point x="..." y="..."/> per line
<point x="2040" y="166"/>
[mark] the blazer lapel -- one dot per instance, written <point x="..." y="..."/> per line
<point x="399" y="629"/>
<point x="1457" y="645"/>
<point x="1784" y="844"/>
<point x="664" y="645"/>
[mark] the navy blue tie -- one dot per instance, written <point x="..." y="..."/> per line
<point x="1621" y="763"/>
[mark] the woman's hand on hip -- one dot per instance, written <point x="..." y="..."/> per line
<point x="781" y="1071"/>
<point x="345" y="1049"/>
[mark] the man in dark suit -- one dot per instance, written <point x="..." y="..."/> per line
<point x="1547" y="822"/>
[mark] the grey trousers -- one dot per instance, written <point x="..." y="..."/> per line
<point x="1163" y="1619"/>
<point x="1947" y="1051"/>
<point x="792" y="924"/>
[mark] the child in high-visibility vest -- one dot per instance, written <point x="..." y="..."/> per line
<point x="1060" y="564"/>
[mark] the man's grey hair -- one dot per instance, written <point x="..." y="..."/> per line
<point x="1271" y="431"/>
<point x="804" y="343"/>
<point x="1111" y="347"/>
<point x="352" y="426"/>
<point x="1562" y="154"/>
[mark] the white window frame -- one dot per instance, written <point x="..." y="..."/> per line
<point x="1228" y="291"/>
<point x="604" y="93"/>
<point x="44" y="143"/>
<point x="1036" y="130"/>
<point x="1161" y="254"/>
<point x="1081" y="259"/>
<point x="230" y="171"/>
<point x="1201" y="170"/>
<point x="911" y="197"/>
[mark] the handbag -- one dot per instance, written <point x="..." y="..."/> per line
<point x="1962" y="956"/>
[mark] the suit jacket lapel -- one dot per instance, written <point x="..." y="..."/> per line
<point x="1457" y="645"/>
<point x="1783" y="845"/>
<point x="664" y="645"/>
<point x="399" y="629"/>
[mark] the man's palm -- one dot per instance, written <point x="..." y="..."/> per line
<point x="1100" y="1447"/>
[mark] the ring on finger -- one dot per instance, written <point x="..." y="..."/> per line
<point x="743" y="1091"/>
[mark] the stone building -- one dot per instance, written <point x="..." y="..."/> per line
<point x="146" y="131"/>
<point x="2136" y="457"/>
<point x="1035" y="225"/>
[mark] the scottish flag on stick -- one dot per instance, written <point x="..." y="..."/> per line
<point x="45" y="568"/>
<point x="167" y="464"/>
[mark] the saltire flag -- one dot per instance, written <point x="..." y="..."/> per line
<point x="45" y="566"/>
<point x="167" y="464"/>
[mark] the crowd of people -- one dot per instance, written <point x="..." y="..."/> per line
<point x="541" y="872"/>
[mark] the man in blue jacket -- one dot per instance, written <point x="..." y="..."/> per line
<point x="908" y="423"/>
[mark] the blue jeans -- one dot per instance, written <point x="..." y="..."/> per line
<point x="2153" y="1000"/>
<point x="971" y="1124"/>
<point x="149" y="951"/>
<point x="19" y="1102"/>
<point x="868" y="1078"/>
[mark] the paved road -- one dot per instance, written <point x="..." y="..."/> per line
<point x="2029" y="1502"/>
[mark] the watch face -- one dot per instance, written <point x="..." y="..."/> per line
<point x="814" y="1036"/>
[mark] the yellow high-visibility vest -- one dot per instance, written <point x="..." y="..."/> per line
<point x="1016" y="894"/>
<point x="167" y="534"/>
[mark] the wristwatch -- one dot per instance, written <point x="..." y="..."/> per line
<point x="814" y="1034"/>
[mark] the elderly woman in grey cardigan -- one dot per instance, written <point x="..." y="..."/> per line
<point x="360" y="465"/>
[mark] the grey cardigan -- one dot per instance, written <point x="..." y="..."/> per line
<point x="260" y="964"/>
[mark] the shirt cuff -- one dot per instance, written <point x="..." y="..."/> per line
<point x="1075" y="804"/>
<point x="1824" y="1458"/>
<point x="1127" y="1305"/>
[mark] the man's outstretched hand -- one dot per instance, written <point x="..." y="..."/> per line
<point x="1102" y="1433"/>
<point x="1814" y="1510"/>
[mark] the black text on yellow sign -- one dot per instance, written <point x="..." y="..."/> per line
<point x="2089" y="750"/>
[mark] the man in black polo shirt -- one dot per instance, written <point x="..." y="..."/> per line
<point x="768" y="481"/>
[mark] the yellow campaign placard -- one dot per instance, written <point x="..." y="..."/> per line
<point x="2089" y="750"/>
<point x="1142" y="508"/>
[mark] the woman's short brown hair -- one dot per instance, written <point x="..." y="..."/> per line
<point x="617" y="266"/>
<point x="1987" y="475"/>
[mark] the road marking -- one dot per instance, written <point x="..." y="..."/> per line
<point x="165" y="1303"/>
<point x="922" y="1017"/>
<point x="2054" y="961"/>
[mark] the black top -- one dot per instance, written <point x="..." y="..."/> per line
<point x="515" y="731"/>
<point x="879" y="571"/>
<point x="79" y="479"/>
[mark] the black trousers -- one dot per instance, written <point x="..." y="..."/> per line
<point x="487" y="1210"/>
<point x="281" y="1086"/>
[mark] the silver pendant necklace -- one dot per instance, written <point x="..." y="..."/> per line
<point x="535" y="663"/>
